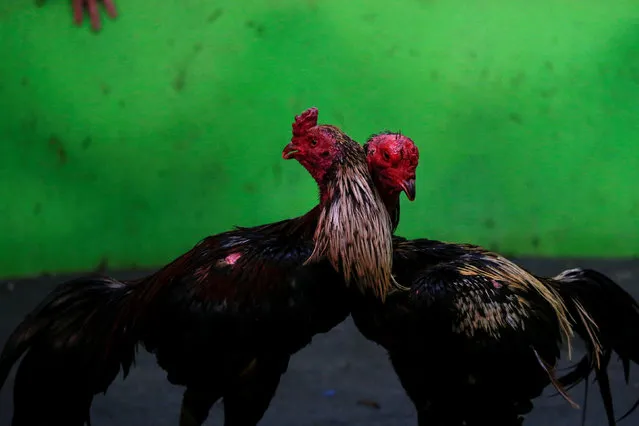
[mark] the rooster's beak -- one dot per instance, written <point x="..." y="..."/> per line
<point x="289" y="151"/>
<point x="409" y="188"/>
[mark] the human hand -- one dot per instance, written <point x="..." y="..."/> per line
<point x="91" y="6"/>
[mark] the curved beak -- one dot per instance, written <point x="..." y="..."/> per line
<point x="409" y="188"/>
<point x="289" y="151"/>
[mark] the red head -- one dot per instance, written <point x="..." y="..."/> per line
<point x="312" y="145"/>
<point x="392" y="159"/>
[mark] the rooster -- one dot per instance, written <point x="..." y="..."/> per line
<point x="477" y="337"/>
<point x="222" y="319"/>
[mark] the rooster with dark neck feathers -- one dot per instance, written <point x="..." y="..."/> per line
<point x="477" y="337"/>
<point x="224" y="318"/>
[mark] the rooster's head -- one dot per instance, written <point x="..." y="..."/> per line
<point x="392" y="160"/>
<point x="316" y="147"/>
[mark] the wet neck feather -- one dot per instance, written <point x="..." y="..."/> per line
<point x="354" y="229"/>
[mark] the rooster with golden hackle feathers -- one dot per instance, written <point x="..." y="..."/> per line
<point x="478" y="337"/>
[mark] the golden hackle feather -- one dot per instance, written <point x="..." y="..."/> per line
<point x="592" y="329"/>
<point x="354" y="230"/>
<point x="550" y="371"/>
<point x="516" y="277"/>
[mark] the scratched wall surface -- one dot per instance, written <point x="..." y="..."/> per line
<point x="130" y="145"/>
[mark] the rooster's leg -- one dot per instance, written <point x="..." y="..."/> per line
<point x="196" y="406"/>
<point x="247" y="401"/>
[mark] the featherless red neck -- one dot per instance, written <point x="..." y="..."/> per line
<point x="354" y="230"/>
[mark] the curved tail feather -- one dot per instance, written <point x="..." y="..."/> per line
<point x="616" y="315"/>
<point x="72" y="351"/>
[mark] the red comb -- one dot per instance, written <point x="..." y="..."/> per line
<point x="305" y="121"/>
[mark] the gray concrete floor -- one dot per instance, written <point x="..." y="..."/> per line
<point x="332" y="382"/>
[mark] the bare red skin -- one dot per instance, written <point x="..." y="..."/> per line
<point x="91" y="7"/>
<point x="392" y="157"/>
<point x="392" y="160"/>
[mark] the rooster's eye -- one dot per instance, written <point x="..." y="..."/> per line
<point x="313" y="142"/>
<point x="385" y="155"/>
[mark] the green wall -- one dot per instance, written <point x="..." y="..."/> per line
<point x="130" y="145"/>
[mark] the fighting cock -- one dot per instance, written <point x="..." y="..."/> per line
<point x="222" y="319"/>
<point x="477" y="337"/>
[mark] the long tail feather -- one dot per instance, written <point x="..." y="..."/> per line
<point x="578" y="373"/>
<point x="551" y="374"/>
<point x="71" y="351"/>
<point x="604" y="389"/>
<point x="596" y="299"/>
<point x="585" y="409"/>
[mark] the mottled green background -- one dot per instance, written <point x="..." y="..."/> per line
<point x="130" y="145"/>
